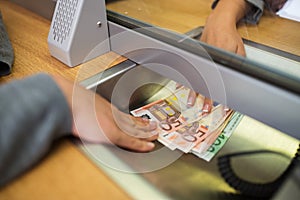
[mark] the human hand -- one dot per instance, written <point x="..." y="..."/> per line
<point x="222" y="35"/>
<point x="221" y="26"/>
<point x="96" y="120"/>
<point x="207" y="103"/>
<point x="227" y="39"/>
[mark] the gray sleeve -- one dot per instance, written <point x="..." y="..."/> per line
<point x="33" y="113"/>
<point x="255" y="12"/>
<point x="6" y="51"/>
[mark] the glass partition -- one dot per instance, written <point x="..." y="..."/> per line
<point x="267" y="41"/>
<point x="272" y="55"/>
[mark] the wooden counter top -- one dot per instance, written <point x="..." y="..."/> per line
<point x="65" y="173"/>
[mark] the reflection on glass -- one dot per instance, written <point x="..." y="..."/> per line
<point x="181" y="17"/>
<point x="184" y="16"/>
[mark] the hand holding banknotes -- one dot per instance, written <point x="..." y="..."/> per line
<point x="96" y="120"/>
<point x="188" y="128"/>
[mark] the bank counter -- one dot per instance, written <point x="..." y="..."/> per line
<point x="69" y="171"/>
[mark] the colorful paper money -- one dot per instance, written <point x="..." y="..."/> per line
<point x="187" y="128"/>
<point x="220" y="141"/>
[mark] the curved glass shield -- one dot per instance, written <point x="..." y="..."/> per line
<point x="269" y="29"/>
<point x="261" y="41"/>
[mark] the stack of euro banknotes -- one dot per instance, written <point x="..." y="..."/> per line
<point x="188" y="128"/>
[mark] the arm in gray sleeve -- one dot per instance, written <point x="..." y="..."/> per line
<point x="255" y="12"/>
<point x="33" y="113"/>
<point x="6" y="51"/>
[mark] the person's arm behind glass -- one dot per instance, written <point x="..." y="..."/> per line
<point x="221" y="27"/>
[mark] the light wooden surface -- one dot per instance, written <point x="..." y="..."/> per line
<point x="65" y="173"/>
<point x="183" y="16"/>
<point x="275" y="32"/>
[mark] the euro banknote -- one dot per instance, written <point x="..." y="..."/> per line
<point x="188" y="128"/>
<point x="220" y="141"/>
